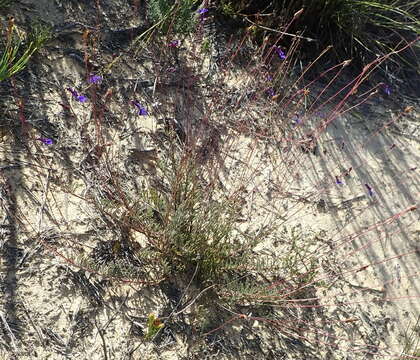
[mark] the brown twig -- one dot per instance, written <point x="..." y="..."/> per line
<point x="278" y="31"/>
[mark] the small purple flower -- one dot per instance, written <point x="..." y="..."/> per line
<point x="73" y="92"/>
<point x="297" y="119"/>
<point x="369" y="189"/>
<point x="202" y="13"/>
<point x="269" y="78"/>
<point x="94" y="79"/>
<point x="46" y="141"/>
<point x="280" y="52"/>
<point x="271" y="92"/>
<point x="174" y="43"/>
<point x="80" y="98"/>
<point x="321" y="114"/>
<point x="387" y="89"/>
<point x="142" y="110"/>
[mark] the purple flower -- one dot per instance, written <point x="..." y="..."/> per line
<point x="202" y="13"/>
<point x="321" y="114"/>
<point x="94" y="79"/>
<point x="369" y="189"/>
<point x="80" y="98"/>
<point x="46" y="141"/>
<point x="280" y="52"/>
<point x="73" y="92"/>
<point x="387" y="89"/>
<point x="142" y="110"/>
<point x="271" y="92"/>
<point x="297" y="119"/>
<point x="174" y="43"/>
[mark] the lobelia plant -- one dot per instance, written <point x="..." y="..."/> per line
<point x="191" y="216"/>
<point x="227" y="203"/>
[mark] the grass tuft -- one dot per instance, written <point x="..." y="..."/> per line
<point x="361" y="30"/>
<point x="17" y="51"/>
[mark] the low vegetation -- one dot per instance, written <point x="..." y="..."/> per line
<point x="206" y="210"/>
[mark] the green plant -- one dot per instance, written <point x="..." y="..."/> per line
<point x="227" y="8"/>
<point x="154" y="325"/>
<point x="188" y="221"/>
<point x="205" y="46"/>
<point x="177" y="17"/>
<point x="4" y="3"/>
<point x="195" y="229"/>
<point x="299" y="250"/>
<point x="13" y="60"/>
